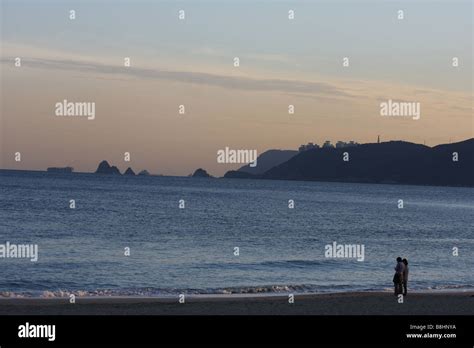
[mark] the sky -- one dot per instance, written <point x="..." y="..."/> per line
<point x="190" y="62"/>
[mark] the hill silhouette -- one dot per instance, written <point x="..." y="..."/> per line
<point x="389" y="162"/>
<point x="268" y="160"/>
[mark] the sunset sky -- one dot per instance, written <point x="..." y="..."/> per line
<point x="190" y="62"/>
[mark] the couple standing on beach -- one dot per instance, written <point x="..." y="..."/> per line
<point x="400" y="279"/>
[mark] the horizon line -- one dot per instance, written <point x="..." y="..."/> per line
<point x="271" y="149"/>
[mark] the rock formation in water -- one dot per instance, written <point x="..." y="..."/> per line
<point x="129" y="171"/>
<point x="201" y="173"/>
<point x="105" y="168"/>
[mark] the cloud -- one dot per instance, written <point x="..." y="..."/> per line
<point x="200" y="78"/>
<point x="353" y="92"/>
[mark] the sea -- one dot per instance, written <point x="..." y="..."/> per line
<point x="106" y="235"/>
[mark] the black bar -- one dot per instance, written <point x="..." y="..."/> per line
<point x="224" y="330"/>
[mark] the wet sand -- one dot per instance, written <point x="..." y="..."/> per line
<point x="353" y="303"/>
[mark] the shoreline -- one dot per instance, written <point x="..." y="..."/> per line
<point x="348" y="303"/>
<point x="218" y="296"/>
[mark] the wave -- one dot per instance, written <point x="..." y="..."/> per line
<point x="249" y="290"/>
<point x="450" y="287"/>
<point x="297" y="263"/>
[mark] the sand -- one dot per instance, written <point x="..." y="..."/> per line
<point x="352" y="303"/>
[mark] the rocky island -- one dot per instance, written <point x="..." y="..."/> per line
<point x="105" y="168"/>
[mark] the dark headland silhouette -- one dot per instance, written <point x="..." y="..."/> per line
<point x="268" y="160"/>
<point x="388" y="162"/>
<point x="392" y="162"/>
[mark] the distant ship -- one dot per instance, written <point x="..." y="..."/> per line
<point x="60" y="170"/>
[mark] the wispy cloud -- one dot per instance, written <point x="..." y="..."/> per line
<point x="353" y="92"/>
<point x="201" y="78"/>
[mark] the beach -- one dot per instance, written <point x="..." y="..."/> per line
<point x="350" y="303"/>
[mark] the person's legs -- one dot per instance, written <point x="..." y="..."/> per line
<point x="397" y="284"/>
<point x="398" y="288"/>
<point x="405" y="288"/>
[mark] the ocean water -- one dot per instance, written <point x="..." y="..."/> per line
<point x="191" y="250"/>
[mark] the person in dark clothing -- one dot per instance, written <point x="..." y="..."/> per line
<point x="405" y="276"/>
<point x="398" y="276"/>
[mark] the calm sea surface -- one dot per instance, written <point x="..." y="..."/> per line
<point x="191" y="250"/>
